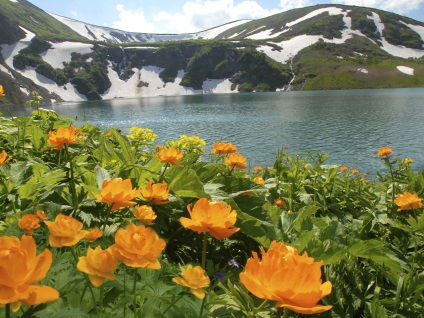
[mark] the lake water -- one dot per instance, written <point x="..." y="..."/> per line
<point x="349" y="124"/>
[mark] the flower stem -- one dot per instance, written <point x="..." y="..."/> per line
<point x="201" y="308"/>
<point x="172" y="304"/>
<point x="134" y="297"/>
<point x="107" y="218"/>
<point x="205" y="243"/>
<point x="7" y="311"/>
<point x="72" y="180"/>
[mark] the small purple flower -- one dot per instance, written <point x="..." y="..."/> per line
<point x="234" y="263"/>
<point x="219" y="276"/>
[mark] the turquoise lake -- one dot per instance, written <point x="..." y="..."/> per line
<point x="349" y="124"/>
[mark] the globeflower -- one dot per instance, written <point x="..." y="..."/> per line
<point x="156" y="193"/>
<point x="93" y="234"/>
<point x="63" y="136"/>
<point x="408" y="160"/>
<point x="355" y="171"/>
<point x="65" y="231"/>
<point x="193" y="278"/>
<point x="28" y="223"/>
<point x="235" y="160"/>
<point x="20" y="268"/>
<point x="145" y="214"/>
<point x="98" y="264"/>
<point x="384" y="151"/>
<point x="343" y="168"/>
<point x="138" y="246"/>
<point x="279" y="202"/>
<point x="258" y="168"/>
<point x="259" y="180"/>
<point x="291" y="280"/>
<point x="117" y="193"/>
<point x="215" y="218"/>
<point x="2" y="91"/>
<point x="4" y="157"/>
<point x="169" y="155"/>
<point x="40" y="214"/>
<point x="223" y="148"/>
<point x="408" y="201"/>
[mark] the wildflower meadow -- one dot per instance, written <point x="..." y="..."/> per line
<point x="109" y="224"/>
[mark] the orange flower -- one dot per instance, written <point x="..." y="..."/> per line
<point x="65" y="231"/>
<point x="223" y="148"/>
<point x="40" y="214"/>
<point x="156" y="193"/>
<point x="343" y="168"/>
<point x="2" y="91"/>
<point x="4" y="158"/>
<point x="145" y="214"/>
<point x="170" y="155"/>
<point x="98" y="264"/>
<point x="63" y="136"/>
<point x="408" y="201"/>
<point x="28" y="223"/>
<point x="193" y="278"/>
<point x="408" y="160"/>
<point x="384" y="151"/>
<point x="118" y="193"/>
<point x="284" y="276"/>
<point x="108" y="134"/>
<point x="215" y="218"/>
<point x="279" y="202"/>
<point x="355" y="171"/>
<point x="138" y="246"/>
<point x="259" y="180"/>
<point x="258" y="168"/>
<point x="235" y="160"/>
<point x="93" y="234"/>
<point x="20" y="267"/>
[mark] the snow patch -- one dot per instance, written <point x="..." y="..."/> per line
<point x="362" y="70"/>
<point x="61" y="52"/>
<point x="406" y="70"/>
<point x="8" y="51"/>
<point x="330" y="10"/>
<point x="15" y="1"/>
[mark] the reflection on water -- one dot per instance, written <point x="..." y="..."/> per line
<point x="350" y="124"/>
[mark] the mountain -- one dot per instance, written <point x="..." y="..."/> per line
<point x="317" y="47"/>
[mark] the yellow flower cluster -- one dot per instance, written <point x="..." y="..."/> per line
<point x="144" y="136"/>
<point x="188" y="143"/>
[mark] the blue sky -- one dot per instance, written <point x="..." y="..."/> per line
<point x="182" y="16"/>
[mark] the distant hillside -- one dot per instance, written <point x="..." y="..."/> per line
<point x="318" y="47"/>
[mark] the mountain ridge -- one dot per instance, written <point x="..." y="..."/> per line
<point x="317" y="47"/>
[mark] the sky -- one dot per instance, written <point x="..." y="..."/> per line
<point x="186" y="16"/>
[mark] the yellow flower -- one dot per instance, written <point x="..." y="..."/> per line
<point x="63" y="136"/>
<point x="156" y="193"/>
<point x="258" y="168"/>
<point x="169" y="155"/>
<point x="193" y="278"/>
<point x="28" y="223"/>
<point x="223" y="148"/>
<point x="98" y="264"/>
<point x="284" y="276"/>
<point x="65" y="231"/>
<point x="40" y="214"/>
<point x="235" y="160"/>
<point x="4" y="157"/>
<point x="215" y="218"/>
<point x="20" y="269"/>
<point x="2" y="91"/>
<point x="138" y="246"/>
<point x="343" y="168"/>
<point x="384" y="151"/>
<point x="259" y="180"/>
<point x="279" y="202"/>
<point x="408" y="201"/>
<point x="144" y="136"/>
<point x="93" y="234"/>
<point x="408" y="160"/>
<point x="145" y="214"/>
<point x="118" y="193"/>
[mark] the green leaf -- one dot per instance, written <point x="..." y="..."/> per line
<point x="185" y="183"/>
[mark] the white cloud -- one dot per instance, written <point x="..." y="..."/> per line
<point x="199" y="15"/>
<point x="398" y="6"/>
<point x="133" y="21"/>
<point x="292" y="4"/>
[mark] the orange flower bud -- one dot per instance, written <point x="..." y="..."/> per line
<point x="28" y="223"/>
<point x="291" y="280"/>
<point x="258" y="168"/>
<point x="93" y="234"/>
<point x="65" y="231"/>
<point x="4" y="157"/>
<point x="279" y="202"/>
<point x="40" y="214"/>
<point x="343" y="168"/>
<point x="215" y="218"/>
<point x="98" y="264"/>
<point x="145" y="214"/>
<point x="355" y="171"/>
<point x="193" y="278"/>
<point x="259" y="180"/>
